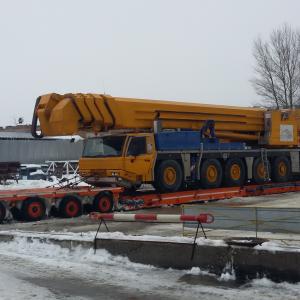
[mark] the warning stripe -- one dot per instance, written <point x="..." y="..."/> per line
<point x="202" y="218"/>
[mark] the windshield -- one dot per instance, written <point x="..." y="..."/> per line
<point x="105" y="146"/>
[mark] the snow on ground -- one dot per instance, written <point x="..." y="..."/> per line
<point x="24" y="290"/>
<point x="39" y="270"/>
<point x="271" y="246"/>
<point x="25" y="184"/>
<point x="32" y="184"/>
<point x="89" y="236"/>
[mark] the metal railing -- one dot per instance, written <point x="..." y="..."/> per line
<point x="274" y="220"/>
<point x="59" y="168"/>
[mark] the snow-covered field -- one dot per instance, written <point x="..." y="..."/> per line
<point x="45" y="271"/>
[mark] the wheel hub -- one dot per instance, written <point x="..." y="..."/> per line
<point x="261" y="171"/>
<point x="103" y="204"/>
<point x="282" y="169"/>
<point x="212" y="173"/>
<point x="170" y="176"/>
<point x="34" y="210"/>
<point x="71" y="208"/>
<point x="235" y="172"/>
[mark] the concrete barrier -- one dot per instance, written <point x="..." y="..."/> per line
<point x="247" y="263"/>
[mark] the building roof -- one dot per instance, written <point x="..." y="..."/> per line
<point x="15" y="135"/>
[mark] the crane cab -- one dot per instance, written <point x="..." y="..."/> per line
<point x="120" y="159"/>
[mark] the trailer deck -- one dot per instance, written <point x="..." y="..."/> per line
<point x="35" y="204"/>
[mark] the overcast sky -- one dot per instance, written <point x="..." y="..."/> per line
<point x="198" y="51"/>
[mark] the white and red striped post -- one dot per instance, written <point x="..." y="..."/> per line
<point x="157" y="218"/>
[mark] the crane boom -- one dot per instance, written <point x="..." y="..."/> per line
<point x="81" y="113"/>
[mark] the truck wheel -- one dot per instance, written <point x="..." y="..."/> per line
<point x="281" y="169"/>
<point x="235" y="172"/>
<point x="258" y="171"/>
<point x="70" y="207"/>
<point x="2" y="212"/>
<point x="103" y="202"/>
<point x="33" y="209"/>
<point x="169" y="176"/>
<point x="211" y="174"/>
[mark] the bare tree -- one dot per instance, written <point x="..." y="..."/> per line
<point x="277" y="68"/>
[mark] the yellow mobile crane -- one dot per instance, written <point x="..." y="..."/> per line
<point x="173" y="144"/>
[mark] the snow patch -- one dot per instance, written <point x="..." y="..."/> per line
<point x="47" y="251"/>
<point x="30" y="184"/>
<point x="276" y="246"/>
<point x="227" y="276"/>
<point x="25" y="184"/>
<point x="197" y="271"/>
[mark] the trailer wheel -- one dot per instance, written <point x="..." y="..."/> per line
<point x="103" y="202"/>
<point x="211" y="174"/>
<point x="235" y="172"/>
<point x="258" y="171"/>
<point x="2" y="212"/>
<point x="281" y="169"/>
<point x="169" y="176"/>
<point x="70" y="207"/>
<point x="33" y="209"/>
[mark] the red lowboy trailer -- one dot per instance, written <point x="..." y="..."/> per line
<point x="35" y="204"/>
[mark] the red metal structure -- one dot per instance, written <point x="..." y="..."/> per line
<point x="35" y="204"/>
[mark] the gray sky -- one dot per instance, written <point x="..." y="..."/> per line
<point x="158" y="49"/>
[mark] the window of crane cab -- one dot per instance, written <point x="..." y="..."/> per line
<point x="137" y="146"/>
<point x="106" y="146"/>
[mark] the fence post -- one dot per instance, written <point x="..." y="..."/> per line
<point x="256" y="223"/>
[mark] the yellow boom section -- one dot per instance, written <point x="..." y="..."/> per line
<point x="76" y="113"/>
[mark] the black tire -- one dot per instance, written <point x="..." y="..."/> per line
<point x="2" y="212"/>
<point x="207" y="179"/>
<point x="103" y="202"/>
<point x="16" y="213"/>
<point x="258" y="172"/>
<point x="70" y="207"/>
<point x="33" y="209"/>
<point x="281" y="169"/>
<point x="234" y="172"/>
<point x="169" y="176"/>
